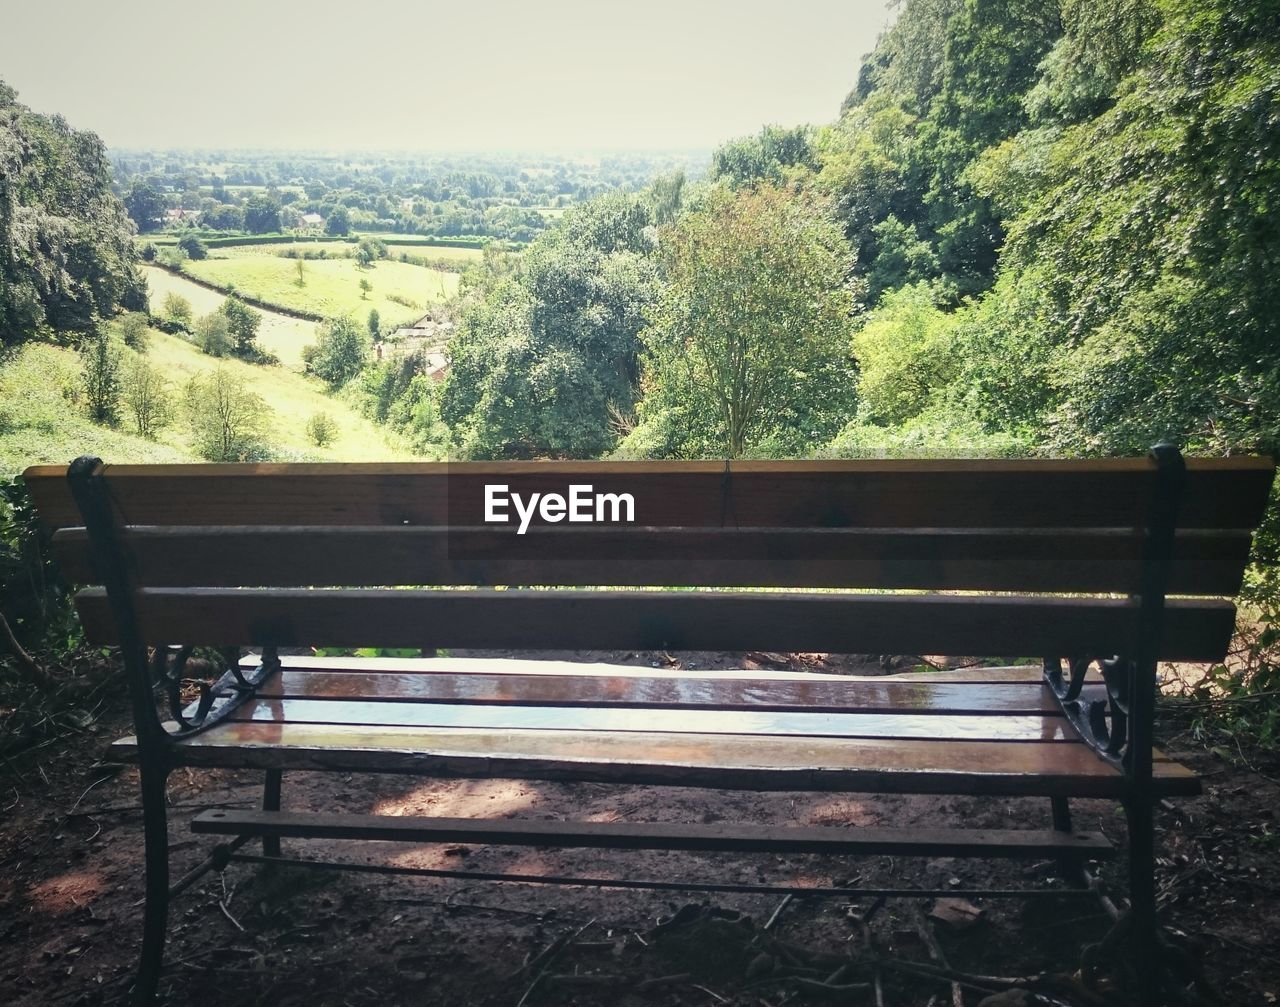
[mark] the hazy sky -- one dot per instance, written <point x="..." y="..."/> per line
<point x="545" y="74"/>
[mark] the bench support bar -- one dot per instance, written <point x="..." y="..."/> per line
<point x="676" y="886"/>
<point x="1003" y="843"/>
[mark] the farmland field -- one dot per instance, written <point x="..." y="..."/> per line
<point x="279" y="334"/>
<point x="332" y="286"/>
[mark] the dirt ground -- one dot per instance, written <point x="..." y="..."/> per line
<point x="71" y="869"/>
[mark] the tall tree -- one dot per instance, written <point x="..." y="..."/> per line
<point x="754" y="319"/>
<point x="261" y="214"/>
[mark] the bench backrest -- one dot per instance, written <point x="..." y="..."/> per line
<point x="1030" y="558"/>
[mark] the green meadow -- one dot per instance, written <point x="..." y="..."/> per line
<point x="331" y="286"/>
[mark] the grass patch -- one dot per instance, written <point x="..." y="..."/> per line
<point x="279" y="335"/>
<point x="42" y="421"/>
<point x="331" y="287"/>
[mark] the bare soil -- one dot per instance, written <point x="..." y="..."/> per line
<point x="71" y="870"/>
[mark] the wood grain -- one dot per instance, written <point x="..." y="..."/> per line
<point x="662" y="620"/>
<point x="643" y="692"/>
<point x="788" y="723"/>
<point x="725" y="761"/>
<point x="740" y="838"/>
<point x="1111" y="493"/>
<point x="1073" y="560"/>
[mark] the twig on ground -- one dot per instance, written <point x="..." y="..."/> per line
<point x="547" y="959"/>
<point x="786" y="901"/>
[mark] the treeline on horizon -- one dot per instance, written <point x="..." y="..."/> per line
<point x="511" y="197"/>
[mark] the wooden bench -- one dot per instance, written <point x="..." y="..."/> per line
<point x="1067" y="561"/>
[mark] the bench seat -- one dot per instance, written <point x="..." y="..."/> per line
<point x="983" y="731"/>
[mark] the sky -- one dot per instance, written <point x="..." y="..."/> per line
<point x="546" y="75"/>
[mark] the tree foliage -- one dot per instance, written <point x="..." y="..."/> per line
<point x="339" y="352"/>
<point x="66" y="255"/>
<point x="551" y="347"/>
<point x="228" y="422"/>
<point x="753" y="322"/>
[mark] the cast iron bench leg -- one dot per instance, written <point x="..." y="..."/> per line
<point x="271" y="802"/>
<point x="155" y="916"/>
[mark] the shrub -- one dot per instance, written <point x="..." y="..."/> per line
<point x="193" y="247"/>
<point x="177" y="309"/>
<point x="322" y="430"/>
<point x="133" y="330"/>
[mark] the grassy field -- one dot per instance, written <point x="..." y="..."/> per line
<point x="444" y="254"/>
<point x="42" y="421"/>
<point x="332" y="286"/>
<point x="278" y="334"/>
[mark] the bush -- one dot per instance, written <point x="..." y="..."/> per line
<point x="322" y="430"/>
<point x="133" y="330"/>
<point x="177" y="309"/>
<point x="228" y="422"/>
<point x="193" y="247"/>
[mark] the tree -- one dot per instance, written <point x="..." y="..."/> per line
<point x="242" y="325"/>
<point x="764" y="157"/>
<point x="754" y="315"/>
<point x="261" y="214"/>
<point x="223" y="217"/>
<point x="212" y="333"/>
<point x="906" y="355"/>
<point x="549" y="349"/>
<point x="369" y="251"/>
<point x="338" y="221"/>
<point x="228" y="422"/>
<point x="339" y="352"/>
<point x="146" y="396"/>
<point x="177" y="309"/>
<point x="67" y="257"/>
<point x="375" y="323"/>
<point x="365" y="288"/>
<point x="145" y="205"/>
<point x="100" y="378"/>
<point x="193" y="246"/>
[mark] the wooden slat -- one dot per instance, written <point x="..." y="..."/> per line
<point x="1110" y="560"/>
<point x="1114" y="493"/>
<point x="655" y="620"/>
<point x="862" y="841"/>
<point x="728" y="761"/>
<point x="1029" y="675"/>
<point x="821" y="696"/>
<point x="386" y="713"/>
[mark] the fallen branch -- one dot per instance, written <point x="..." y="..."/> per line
<point x="40" y="678"/>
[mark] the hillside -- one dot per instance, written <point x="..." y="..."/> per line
<point x="41" y="419"/>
